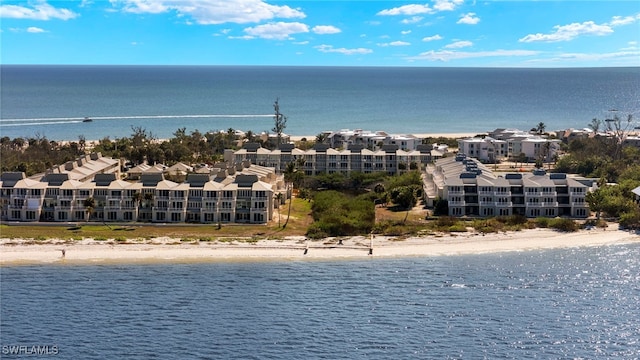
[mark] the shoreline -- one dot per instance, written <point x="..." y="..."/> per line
<point x="17" y="252"/>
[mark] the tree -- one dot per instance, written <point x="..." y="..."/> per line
<point x="89" y="206"/>
<point x="595" y="125"/>
<point x="619" y="130"/>
<point x="278" y="198"/>
<point x="596" y="200"/>
<point x="540" y="128"/>
<point x="137" y="199"/>
<point x="280" y="122"/>
<point x="321" y="138"/>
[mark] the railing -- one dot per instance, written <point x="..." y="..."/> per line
<point x="504" y="204"/>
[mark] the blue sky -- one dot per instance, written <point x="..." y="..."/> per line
<point x="329" y="33"/>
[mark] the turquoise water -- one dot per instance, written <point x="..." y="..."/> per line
<point x="551" y="304"/>
<point x="51" y="101"/>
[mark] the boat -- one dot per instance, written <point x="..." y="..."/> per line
<point x="87" y="119"/>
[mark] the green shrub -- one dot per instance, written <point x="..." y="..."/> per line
<point x="563" y="224"/>
<point x="542" y="222"/>
<point x="458" y="228"/>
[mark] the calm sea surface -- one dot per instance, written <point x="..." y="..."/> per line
<point x="578" y="303"/>
<point x="51" y="101"/>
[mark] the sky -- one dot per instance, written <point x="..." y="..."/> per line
<point x="453" y="33"/>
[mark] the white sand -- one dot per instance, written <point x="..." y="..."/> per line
<point x="422" y="136"/>
<point x="166" y="250"/>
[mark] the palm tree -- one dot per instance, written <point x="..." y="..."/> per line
<point x="278" y="198"/>
<point x="89" y="205"/>
<point x="540" y="128"/>
<point x="137" y="199"/>
<point x="320" y="138"/>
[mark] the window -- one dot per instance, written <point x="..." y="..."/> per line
<point x="176" y="217"/>
<point x="112" y="215"/>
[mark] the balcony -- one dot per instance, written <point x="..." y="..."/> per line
<point x="548" y="204"/>
<point x="506" y="204"/>
<point x="456" y="203"/>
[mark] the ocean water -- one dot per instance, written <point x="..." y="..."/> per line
<point x="51" y="101"/>
<point x="580" y="303"/>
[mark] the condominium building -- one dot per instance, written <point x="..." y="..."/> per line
<point x="371" y="140"/>
<point x="323" y="159"/>
<point x="240" y="194"/>
<point x="471" y="189"/>
<point x="489" y="149"/>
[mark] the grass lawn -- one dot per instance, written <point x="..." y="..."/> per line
<point x="299" y="221"/>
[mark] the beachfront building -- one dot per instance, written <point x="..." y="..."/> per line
<point x="323" y="159"/>
<point x="502" y="144"/>
<point x="471" y="189"/>
<point x="243" y="193"/>
<point x="344" y="138"/>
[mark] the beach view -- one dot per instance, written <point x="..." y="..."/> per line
<point x="353" y="179"/>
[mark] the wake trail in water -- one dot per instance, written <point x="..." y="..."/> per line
<point x="66" y="120"/>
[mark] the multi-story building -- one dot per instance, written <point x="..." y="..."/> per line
<point x="471" y="189"/>
<point x="243" y="194"/>
<point x="511" y="145"/>
<point x="371" y="140"/>
<point x="323" y="159"/>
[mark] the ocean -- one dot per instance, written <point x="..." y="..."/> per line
<point x="52" y="101"/>
<point x="579" y="303"/>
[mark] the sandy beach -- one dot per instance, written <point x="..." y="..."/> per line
<point x="169" y="250"/>
<point x="422" y="136"/>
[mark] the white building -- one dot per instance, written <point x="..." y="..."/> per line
<point x="471" y="189"/>
<point x="509" y="144"/>
<point x="322" y="159"/>
<point x="371" y="140"/>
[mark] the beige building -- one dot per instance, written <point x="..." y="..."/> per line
<point x="239" y="194"/>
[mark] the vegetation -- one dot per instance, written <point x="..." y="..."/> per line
<point x="335" y="214"/>
<point x="280" y="122"/>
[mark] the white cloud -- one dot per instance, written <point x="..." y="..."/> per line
<point x="405" y="32"/>
<point x="330" y="49"/>
<point x="459" y="44"/>
<point x="432" y="38"/>
<point x="569" y="32"/>
<point x="395" y="43"/>
<point x="447" y="5"/>
<point x="412" y="20"/>
<point x="35" y="30"/>
<point x="447" y="55"/>
<point x="625" y="58"/>
<point x="619" y="20"/>
<point x="208" y="12"/>
<point x="39" y="11"/>
<point x="277" y="31"/>
<point x="417" y="9"/>
<point x="411" y="9"/>
<point x="469" y="19"/>
<point x="326" y="29"/>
